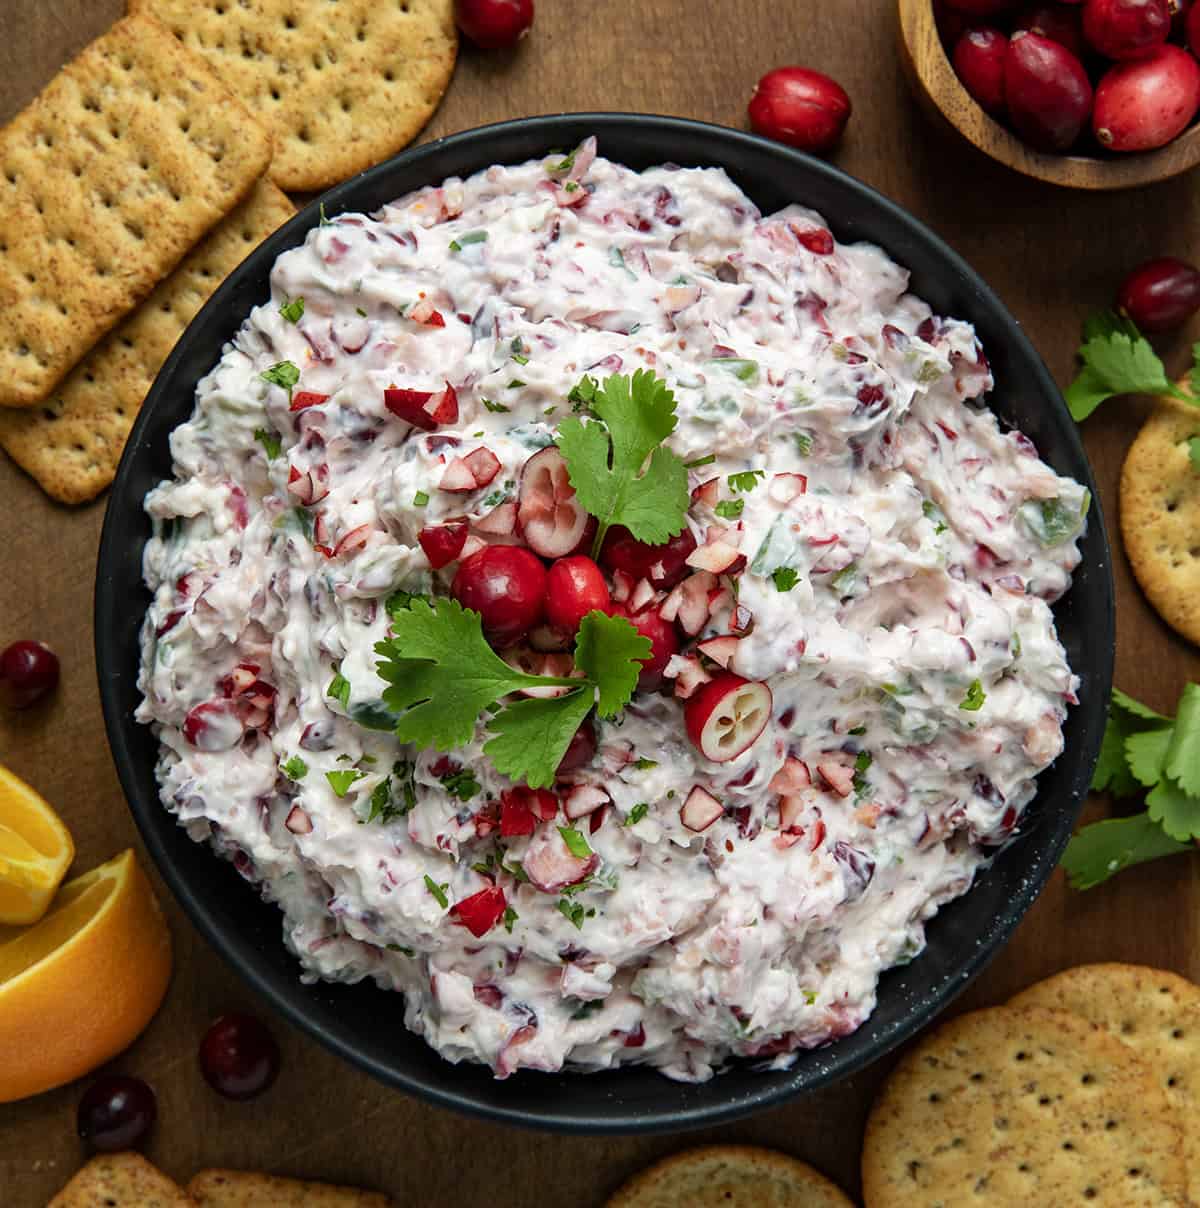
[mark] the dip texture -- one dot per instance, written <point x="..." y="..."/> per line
<point x="894" y="562"/>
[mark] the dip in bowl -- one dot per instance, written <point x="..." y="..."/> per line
<point x="837" y="734"/>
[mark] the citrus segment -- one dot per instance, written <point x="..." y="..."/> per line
<point x="35" y="852"/>
<point x="79" y="986"/>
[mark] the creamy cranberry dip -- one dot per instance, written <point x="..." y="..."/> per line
<point x="853" y="675"/>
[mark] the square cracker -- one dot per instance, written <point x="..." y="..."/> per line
<point x="120" y="1180"/>
<point x="72" y="442"/>
<point x="340" y="85"/>
<point x="245" y="1189"/>
<point x="127" y="157"/>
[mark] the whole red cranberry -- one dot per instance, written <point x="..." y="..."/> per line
<point x="664" y="642"/>
<point x="28" y="671"/>
<point x="574" y="587"/>
<point x="663" y="565"/>
<point x="506" y="585"/>
<point x="1126" y="29"/>
<point x="979" y="61"/>
<point x="494" y="24"/>
<point x="1048" y="92"/>
<point x="800" y="107"/>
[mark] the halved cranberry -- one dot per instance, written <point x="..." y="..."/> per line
<point x="574" y="587"/>
<point x="551" y="519"/>
<point x="423" y="408"/>
<point x="506" y="585"/>
<point x="549" y="864"/>
<point x="663" y="565"/>
<point x="213" y="726"/>
<point x="664" y="642"/>
<point x="726" y="716"/>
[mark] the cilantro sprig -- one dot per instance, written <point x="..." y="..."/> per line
<point x="1142" y="750"/>
<point x="442" y="676"/>
<point x="620" y="468"/>
<point x="1117" y="359"/>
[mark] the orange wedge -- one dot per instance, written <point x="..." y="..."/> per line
<point x="80" y="985"/>
<point x="35" y="852"/>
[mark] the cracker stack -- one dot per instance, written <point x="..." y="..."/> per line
<point x="127" y="158"/>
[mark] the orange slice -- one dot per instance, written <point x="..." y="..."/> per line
<point x="79" y="986"/>
<point x="35" y="852"/>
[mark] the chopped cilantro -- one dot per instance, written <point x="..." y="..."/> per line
<point x="500" y="407"/>
<point x="324" y="221"/>
<point x="843" y="581"/>
<point x="520" y="358"/>
<point x="270" y="442"/>
<point x="420" y="499"/>
<point x="341" y="781"/>
<point x="358" y="310"/>
<point x="643" y="764"/>
<point x="804" y="443"/>
<point x="515" y="384"/>
<point x="697" y="462"/>
<point x="577" y="845"/>
<point x="785" y="578"/>
<point x="293" y="311"/>
<point x="730" y="509"/>
<point x="975" y="697"/>
<point x="636" y="814"/>
<point x="438" y="891"/>
<point x="510" y="917"/>
<point x="573" y="912"/>
<point x="461" y="784"/>
<point x="747" y="480"/>
<point x="931" y="511"/>
<point x="339" y="689"/>
<point x="384" y="804"/>
<point x="295" y="768"/>
<point x="282" y="373"/>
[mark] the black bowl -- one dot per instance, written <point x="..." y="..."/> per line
<point x="361" y="1022"/>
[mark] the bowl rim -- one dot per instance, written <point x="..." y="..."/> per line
<point x="150" y="817"/>
<point x="939" y="85"/>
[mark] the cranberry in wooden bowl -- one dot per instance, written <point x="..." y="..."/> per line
<point x="1061" y="111"/>
<point x="555" y="823"/>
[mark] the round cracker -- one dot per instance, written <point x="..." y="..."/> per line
<point x="340" y="86"/>
<point x="729" y="1176"/>
<point x="1160" y="515"/>
<point x="1157" y="1014"/>
<point x="1022" y="1106"/>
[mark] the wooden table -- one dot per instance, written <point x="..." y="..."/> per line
<point x="1052" y="256"/>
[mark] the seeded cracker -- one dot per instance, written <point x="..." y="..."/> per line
<point x="341" y="85"/>
<point x="245" y="1189"/>
<point x="729" y="1176"/>
<point x="1160" y="514"/>
<point x="120" y="1180"/>
<point x="1023" y="1106"/>
<point x="129" y="155"/>
<point x="72" y="442"/>
<point x="1155" y="1013"/>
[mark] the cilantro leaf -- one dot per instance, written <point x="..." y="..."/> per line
<point x="270" y="442"/>
<point x="1126" y="704"/>
<point x="577" y="845"/>
<point x="340" y="782"/>
<point x="339" y="689"/>
<point x="461" y="784"/>
<point x="785" y="578"/>
<point x="1176" y="812"/>
<point x="572" y="911"/>
<point x="747" y="480"/>
<point x="383" y="806"/>
<point x="1146" y="755"/>
<point x="730" y="509"/>
<point x="293" y="311"/>
<point x="1182" y="758"/>
<point x="284" y="374"/>
<point x="295" y="768"/>
<point x="636" y="814"/>
<point x="442" y="674"/>
<point x="1099" y="851"/>
<point x="609" y="650"/>
<point x="510" y="917"/>
<point x="532" y="736"/>
<point x="975" y="697"/>
<point x="1112" y="769"/>
<point x="607" y="462"/>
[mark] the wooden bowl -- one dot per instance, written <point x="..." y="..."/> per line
<point x="941" y="92"/>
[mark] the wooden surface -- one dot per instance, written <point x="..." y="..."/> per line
<point x="943" y="95"/>
<point x="1049" y="253"/>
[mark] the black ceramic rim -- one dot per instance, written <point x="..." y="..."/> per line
<point x="364" y="1024"/>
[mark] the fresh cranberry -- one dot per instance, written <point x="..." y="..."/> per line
<point x="494" y="24"/>
<point x="581" y="750"/>
<point x="1048" y="92"/>
<point x="1126" y="29"/>
<point x="800" y="107"/>
<point x="664" y="642"/>
<point x="238" y="1056"/>
<point x="506" y="585"/>
<point x="443" y="543"/>
<point x="1160" y="294"/>
<point x="1056" y="22"/>
<point x="28" y="671"/>
<point x="1147" y="103"/>
<point x="481" y="911"/>
<point x="574" y="587"/>
<point x="663" y="565"/>
<point x="116" y="1112"/>
<point x="979" y="62"/>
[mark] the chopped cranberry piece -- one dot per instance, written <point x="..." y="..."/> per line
<point x="481" y="911"/>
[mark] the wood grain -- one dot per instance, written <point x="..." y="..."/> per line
<point x="1049" y="253"/>
<point x="942" y="94"/>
